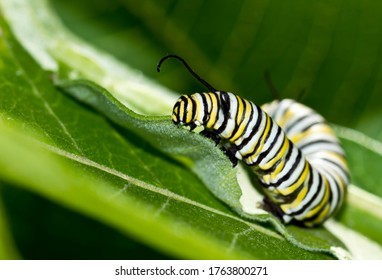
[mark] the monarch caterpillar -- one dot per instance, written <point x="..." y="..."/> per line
<point x="293" y="152"/>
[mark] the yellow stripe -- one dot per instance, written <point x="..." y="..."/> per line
<point x="277" y="170"/>
<point x="281" y="153"/>
<point x="299" y="136"/>
<point x="181" y="111"/>
<point x="296" y="185"/>
<point x="198" y="108"/>
<point x="214" y="111"/>
<point x="285" y="118"/>
<point x="240" y="110"/>
<point x="189" y="110"/>
<point x="320" y="217"/>
<point x="341" y="184"/>
<point x="323" y="214"/>
<point x="176" y="110"/>
<point x="243" y="125"/>
<point x="300" y="197"/>
<point x="321" y="204"/>
<point x="262" y="139"/>
<point x="265" y="134"/>
<point x="338" y="156"/>
<point x="175" y="114"/>
<point x="266" y="178"/>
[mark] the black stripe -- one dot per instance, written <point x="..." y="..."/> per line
<point x="193" y="108"/>
<point x="321" y="141"/>
<point x="309" y="203"/>
<point x="298" y="177"/>
<point x="303" y="129"/>
<point x="265" y="153"/>
<point x="205" y="107"/>
<point x="291" y="197"/>
<point x="337" y="186"/>
<point x="237" y="125"/>
<point x="293" y="167"/>
<point x="280" y="110"/>
<point x="177" y="115"/>
<point x="267" y="119"/>
<point x="295" y="122"/>
<point x="250" y="117"/>
<point x="315" y="216"/>
<point x="345" y="172"/>
<point x="224" y="104"/>
<point x="270" y="130"/>
<point x="254" y="129"/>
<point x="185" y="100"/>
<point x="272" y="168"/>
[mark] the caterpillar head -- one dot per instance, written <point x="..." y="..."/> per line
<point x="183" y="113"/>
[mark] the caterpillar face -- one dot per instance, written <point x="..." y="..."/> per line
<point x="199" y="109"/>
<point x="182" y="111"/>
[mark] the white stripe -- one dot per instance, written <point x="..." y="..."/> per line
<point x="251" y="144"/>
<point x="317" y="136"/>
<point x="312" y="189"/>
<point x="274" y="149"/>
<point x="336" y="192"/>
<point x="268" y="142"/>
<point x="231" y="122"/>
<point x="270" y="107"/>
<point x="322" y="163"/>
<point x="322" y="147"/>
<point x="287" y="167"/>
<point x="296" y="173"/>
<point x="315" y="202"/>
<point x="302" y="124"/>
<point x="250" y="125"/>
<point x="283" y="107"/>
<point x="199" y="99"/>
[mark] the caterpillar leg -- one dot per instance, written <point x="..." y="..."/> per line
<point x="230" y="153"/>
<point x="273" y="208"/>
<point x="211" y="135"/>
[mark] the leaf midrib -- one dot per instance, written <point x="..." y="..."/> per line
<point x="359" y="138"/>
<point x="152" y="188"/>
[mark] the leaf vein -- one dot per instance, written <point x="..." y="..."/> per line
<point x="365" y="200"/>
<point x="359" y="138"/>
<point x="164" y="192"/>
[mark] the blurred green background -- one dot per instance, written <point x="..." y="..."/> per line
<point x="330" y="49"/>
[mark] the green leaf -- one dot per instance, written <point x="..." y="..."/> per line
<point x="364" y="209"/>
<point x="207" y="161"/>
<point x="250" y="40"/>
<point x="76" y="158"/>
<point x="94" y="198"/>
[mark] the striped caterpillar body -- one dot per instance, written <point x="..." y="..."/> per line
<point x="291" y="149"/>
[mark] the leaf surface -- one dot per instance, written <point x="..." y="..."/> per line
<point x="156" y="171"/>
